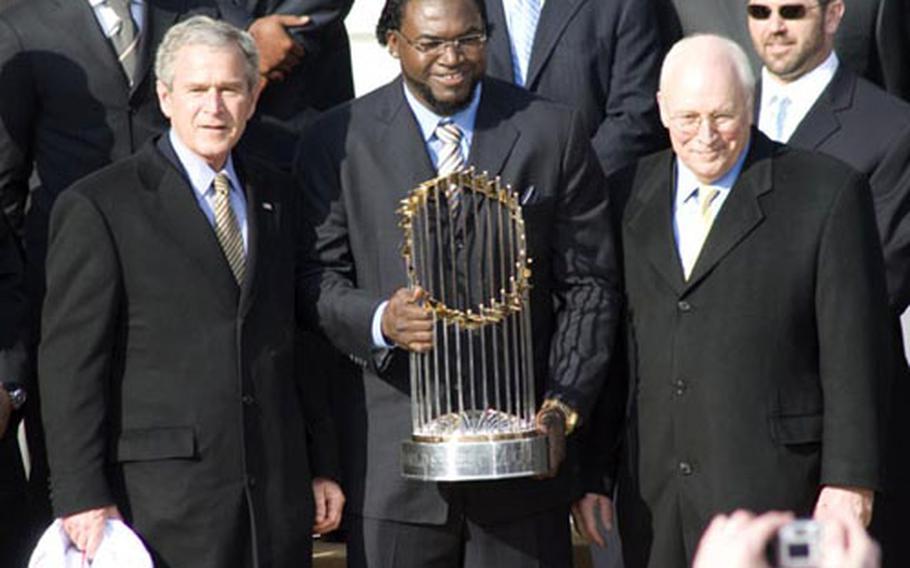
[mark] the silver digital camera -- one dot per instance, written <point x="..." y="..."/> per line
<point x="799" y="544"/>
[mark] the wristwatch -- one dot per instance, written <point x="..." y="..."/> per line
<point x="16" y="394"/>
<point x="567" y="412"/>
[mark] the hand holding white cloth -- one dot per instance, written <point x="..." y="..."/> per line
<point x="120" y="548"/>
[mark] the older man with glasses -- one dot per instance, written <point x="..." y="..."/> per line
<point x="757" y="321"/>
<point x="810" y="99"/>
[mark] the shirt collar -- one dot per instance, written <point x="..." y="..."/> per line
<point x="427" y="120"/>
<point x="806" y="89"/>
<point x="200" y="174"/>
<point x="687" y="183"/>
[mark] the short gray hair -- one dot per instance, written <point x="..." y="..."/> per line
<point x="730" y="48"/>
<point x="202" y="30"/>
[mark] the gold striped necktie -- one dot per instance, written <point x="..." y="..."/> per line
<point x="705" y="196"/>
<point x="227" y="229"/>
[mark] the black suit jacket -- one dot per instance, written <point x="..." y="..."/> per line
<point x="858" y="123"/>
<point x="758" y="379"/>
<point x="66" y="110"/>
<point x="359" y="161"/>
<point x="601" y="58"/>
<point x="13" y="525"/>
<point x="167" y="389"/>
<point x="873" y="39"/>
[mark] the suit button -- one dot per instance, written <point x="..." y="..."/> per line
<point x="685" y="468"/>
<point x="684" y="306"/>
<point x="680" y="386"/>
<point x="459" y="243"/>
<point x="250" y="481"/>
<point x="248" y="400"/>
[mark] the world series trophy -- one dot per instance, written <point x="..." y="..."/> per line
<point x="472" y="395"/>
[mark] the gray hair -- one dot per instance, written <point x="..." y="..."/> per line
<point x="202" y="30"/>
<point x="726" y="46"/>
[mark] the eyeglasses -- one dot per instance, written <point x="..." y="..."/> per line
<point x="437" y="46"/>
<point x="785" y="11"/>
<point x="690" y="123"/>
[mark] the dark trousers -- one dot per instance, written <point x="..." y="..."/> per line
<point x="542" y="540"/>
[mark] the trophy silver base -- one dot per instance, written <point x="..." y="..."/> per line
<point x="474" y="460"/>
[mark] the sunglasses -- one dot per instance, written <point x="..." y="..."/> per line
<point x="786" y="11"/>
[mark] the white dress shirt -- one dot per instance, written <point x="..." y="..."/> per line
<point x="802" y="94"/>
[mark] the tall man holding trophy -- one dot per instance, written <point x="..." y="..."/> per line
<point x="504" y="181"/>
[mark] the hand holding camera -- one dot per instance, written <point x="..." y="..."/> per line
<point x="740" y="540"/>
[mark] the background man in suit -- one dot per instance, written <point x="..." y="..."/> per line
<point x="67" y="108"/>
<point x="359" y="162"/>
<point x="305" y="54"/>
<point x="600" y="57"/>
<point x="810" y="100"/>
<point x="757" y="337"/>
<point x="167" y="361"/>
<point x="305" y="64"/>
<point x="873" y="40"/>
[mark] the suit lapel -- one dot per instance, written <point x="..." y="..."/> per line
<point x="821" y="122"/>
<point x="257" y="226"/>
<point x="494" y="135"/>
<point x="650" y="224"/>
<point x="499" y="50"/>
<point x="400" y="140"/>
<point x="741" y="212"/>
<point x="554" y="18"/>
<point x="188" y="226"/>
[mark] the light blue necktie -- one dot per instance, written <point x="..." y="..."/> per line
<point x="783" y="103"/>
<point x="523" y="17"/>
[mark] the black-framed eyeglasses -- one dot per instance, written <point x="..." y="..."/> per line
<point x="437" y="46"/>
<point x="785" y="11"/>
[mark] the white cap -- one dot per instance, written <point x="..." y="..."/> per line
<point x="119" y="548"/>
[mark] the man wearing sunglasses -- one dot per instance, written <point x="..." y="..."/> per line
<point x="874" y="41"/>
<point x="810" y="99"/>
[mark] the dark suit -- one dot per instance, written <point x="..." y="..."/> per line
<point x="758" y="379"/>
<point x="359" y="162"/>
<point x="14" y="540"/>
<point x="601" y="57"/>
<point x="872" y="39"/>
<point x="869" y="129"/>
<point x="66" y="109"/>
<point x="860" y="124"/>
<point x="323" y="79"/>
<point x="185" y="411"/>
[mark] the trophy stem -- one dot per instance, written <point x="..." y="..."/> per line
<point x="473" y="394"/>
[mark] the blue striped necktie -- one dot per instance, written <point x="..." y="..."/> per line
<point x="524" y="15"/>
